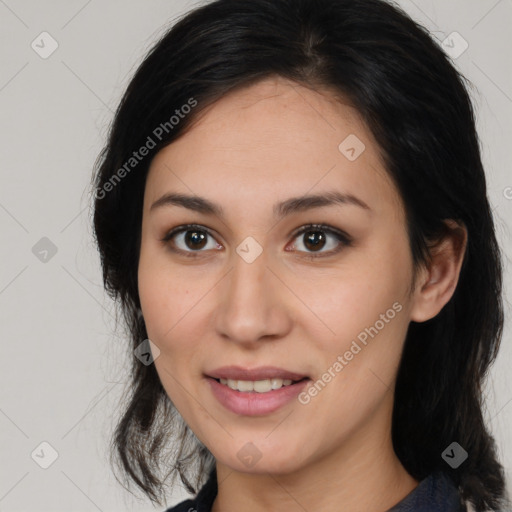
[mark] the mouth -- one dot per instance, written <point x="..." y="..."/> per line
<point x="257" y="391"/>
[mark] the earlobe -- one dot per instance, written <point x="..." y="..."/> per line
<point x="438" y="282"/>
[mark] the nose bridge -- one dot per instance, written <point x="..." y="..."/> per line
<point x="249" y="305"/>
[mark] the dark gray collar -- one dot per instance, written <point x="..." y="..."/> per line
<point x="435" y="493"/>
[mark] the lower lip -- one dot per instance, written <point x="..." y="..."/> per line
<point x="252" y="403"/>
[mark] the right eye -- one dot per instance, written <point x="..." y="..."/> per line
<point x="189" y="240"/>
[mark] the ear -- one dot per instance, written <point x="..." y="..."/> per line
<point x="437" y="282"/>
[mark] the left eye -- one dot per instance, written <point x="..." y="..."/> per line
<point x="315" y="237"/>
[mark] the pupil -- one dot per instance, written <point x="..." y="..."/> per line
<point x="195" y="237"/>
<point x="316" y="239"/>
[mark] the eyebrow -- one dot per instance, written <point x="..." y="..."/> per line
<point x="282" y="209"/>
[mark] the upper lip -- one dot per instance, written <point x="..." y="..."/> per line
<point x="259" y="373"/>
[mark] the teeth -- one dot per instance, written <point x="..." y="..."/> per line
<point x="243" y="385"/>
<point x="260" y="386"/>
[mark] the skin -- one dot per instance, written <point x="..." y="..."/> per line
<point x="253" y="148"/>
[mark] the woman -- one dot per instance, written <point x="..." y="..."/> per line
<point x="291" y="208"/>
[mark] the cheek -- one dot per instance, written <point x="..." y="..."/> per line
<point x="364" y="301"/>
<point x="174" y="312"/>
<point x="347" y="302"/>
<point x="163" y="292"/>
<point x="168" y="310"/>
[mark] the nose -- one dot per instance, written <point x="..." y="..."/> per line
<point x="252" y="303"/>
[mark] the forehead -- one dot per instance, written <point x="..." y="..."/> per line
<point x="276" y="114"/>
<point x="274" y="139"/>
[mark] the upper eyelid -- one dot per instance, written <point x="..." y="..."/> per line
<point x="187" y="227"/>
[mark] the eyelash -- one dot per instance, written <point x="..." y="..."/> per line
<point x="343" y="238"/>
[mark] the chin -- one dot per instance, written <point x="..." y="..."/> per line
<point x="251" y="459"/>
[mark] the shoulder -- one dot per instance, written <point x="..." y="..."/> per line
<point x="184" y="506"/>
<point x="203" y="501"/>
<point x="435" y="492"/>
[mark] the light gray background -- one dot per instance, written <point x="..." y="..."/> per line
<point x="62" y="366"/>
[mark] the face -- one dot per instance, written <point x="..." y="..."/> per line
<point x="254" y="293"/>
